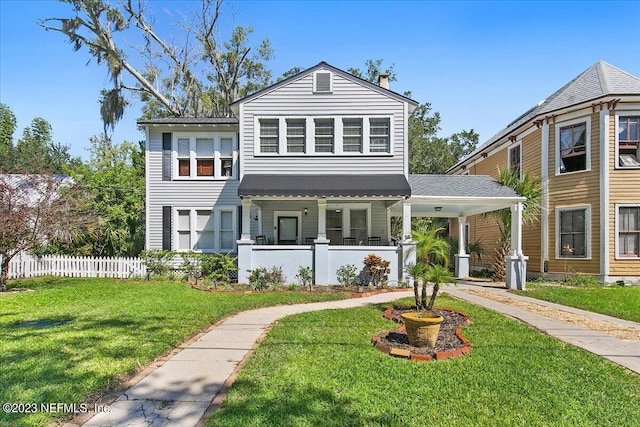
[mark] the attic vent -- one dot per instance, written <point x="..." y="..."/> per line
<point x="322" y="82"/>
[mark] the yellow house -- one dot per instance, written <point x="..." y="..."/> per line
<point x="584" y="142"/>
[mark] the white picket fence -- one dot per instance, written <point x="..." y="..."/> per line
<point x="25" y="265"/>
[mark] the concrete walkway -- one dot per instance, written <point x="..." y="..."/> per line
<point x="180" y="391"/>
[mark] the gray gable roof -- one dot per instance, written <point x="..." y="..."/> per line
<point x="324" y="65"/>
<point x="475" y="186"/>
<point x="600" y="79"/>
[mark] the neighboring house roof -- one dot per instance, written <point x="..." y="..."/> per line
<point x="258" y="185"/>
<point x="476" y="186"/>
<point x="190" y="121"/>
<point x="29" y="183"/>
<point x="324" y="65"/>
<point x="599" y="80"/>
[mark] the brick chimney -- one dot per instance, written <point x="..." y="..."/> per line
<point x="383" y="80"/>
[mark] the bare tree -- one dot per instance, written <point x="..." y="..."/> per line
<point x="36" y="210"/>
<point x="172" y="80"/>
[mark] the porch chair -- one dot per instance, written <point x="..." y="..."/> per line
<point x="348" y="241"/>
<point x="261" y="240"/>
<point x="374" y="241"/>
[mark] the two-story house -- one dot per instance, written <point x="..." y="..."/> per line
<point x="584" y="142"/>
<point x="308" y="174"/>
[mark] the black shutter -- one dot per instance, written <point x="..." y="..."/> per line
<point x="166" y="157"/>
<point x="239" y="231"/>
<point x="166" y="228"/>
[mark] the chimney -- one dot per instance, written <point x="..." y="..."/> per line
<point x="383" y="80"/>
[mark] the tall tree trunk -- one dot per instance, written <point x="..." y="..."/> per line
<point x="499" y="264"/>
<point x="5" y="273"/>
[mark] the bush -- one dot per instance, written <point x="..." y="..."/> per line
<point x="376" y="270"/>
<point x="582" y="280"/>
<point x="305" y="276"/>
<point x="157" y="261"/>
<point x="262" y="278"/>
<point x="191" y="265"/>
<point x="218" y="267"/>
<point x="346" y="275"/>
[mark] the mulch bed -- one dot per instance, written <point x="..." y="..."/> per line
<point x="450" y="343"/>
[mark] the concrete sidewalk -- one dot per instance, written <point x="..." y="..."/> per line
<point x="180" y="391"/>
<point x="623" y="352"/>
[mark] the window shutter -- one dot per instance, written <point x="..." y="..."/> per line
<point x="166" y="228"/>
<point x="323" y="82"/>
<point x="166" y="157"/>
<point x="239" y="228"/>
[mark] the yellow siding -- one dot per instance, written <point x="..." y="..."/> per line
<point x="531" y="233"/>
<point x="624" y="187"/>
<point x="575" y="189"/>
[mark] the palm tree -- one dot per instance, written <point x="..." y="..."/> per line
<point x="528" y="186"/>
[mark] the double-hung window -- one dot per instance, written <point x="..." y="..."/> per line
<point x="324" y="136"/>
<point x="269" y="131"/>
<point x="204" y="156"/>
<point x="573" y="232"/>
<point x="352" y="135"/>
<point x="205" y="232"/>
<point x="184" y="157"/>
<point x="379" y="136"/>
<point x="183" y="228"/>
<point x="628" y="141"/>
<point x="296" y="130"/>
<point x="226" y="230"/>
<point x="515" y="159"/>
<point x="573" y="147"/>
<point x="226" y="156"/>
<point x="628" y="232"/>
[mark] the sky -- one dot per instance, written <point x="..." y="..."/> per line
<point x="480" y="64"/>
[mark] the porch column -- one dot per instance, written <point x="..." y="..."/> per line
<point x="245" y="244"/>
<point x="321" y="246"/>
<point x="516" y="274"/>
<point x="408" y="254"/>
<point x="322" y="219"/>
<point x="462" y="258"/>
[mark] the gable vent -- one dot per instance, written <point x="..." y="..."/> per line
<point x="322" y="82"/>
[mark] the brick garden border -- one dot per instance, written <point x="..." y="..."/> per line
<point x="408" y="354"/>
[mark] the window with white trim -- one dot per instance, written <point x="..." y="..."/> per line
<point x="573" y="145"/>
<point x="183" y="228"/>
<point x="296" y="131"/>
<point x="379" y="135"/>
<point x="628" y="141"/>
<point x="203" y="156"/>
<point x="358" y="226"/>
<point x="348" y="220"/>
<point x="269" y="130"/>
<point x="572" y="226"/>
<point x="628" y="232"/>
<point x="324" y="136"/>
<point x="205" y="231"/>
<point x="515" y="158"/>
<point x="352" y="135"/>
<point x="334" y="226"/>
<point x="226" y="230"/>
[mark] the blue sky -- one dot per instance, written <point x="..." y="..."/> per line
<point x="480" y="64"/>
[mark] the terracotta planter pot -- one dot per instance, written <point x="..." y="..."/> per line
<point x="422" y="328"/>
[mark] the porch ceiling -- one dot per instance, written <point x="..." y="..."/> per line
<point x="338" y="185"/>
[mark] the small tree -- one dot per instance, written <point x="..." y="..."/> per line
<point x="376" y="270"/>
<point x="36" y="210"/>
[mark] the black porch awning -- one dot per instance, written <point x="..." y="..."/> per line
<point x="259" y="185"/>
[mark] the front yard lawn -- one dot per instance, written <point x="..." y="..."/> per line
<point x="319" y="369"/>
<point x="73" y="338"/>
<point x="617" y="301"/>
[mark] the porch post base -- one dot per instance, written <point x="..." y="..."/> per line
<point x="462" y="266"/>
<point x="321" y="261"/>
<point x="516" y="274"/>
<point x="407" y="257"/>
<point x="245" y="252"/>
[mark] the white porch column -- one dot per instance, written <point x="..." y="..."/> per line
<point x="322" y="219"/>
<point x="246" y="219"/>
<point x="408" y="254"/>
<point x="462" y="259"/>
<point x="516" y="274"/>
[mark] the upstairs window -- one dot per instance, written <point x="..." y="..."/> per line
<point x="226" y="156"/>
<point x="296" y="141"/>
<point x="324" y="136"/>
<point x="573" y="148"/>
<point x="204" y="156"/>
<point x="269" y="135"/>
<point x="515" y="159"/>
<point x="184" y="157"/>
<point x="628" y="225"/>
<point x="195" y="157"/>
<point x="379" y="141"/>
<point x="628" y="141"/>
<point x="352" y="135"/>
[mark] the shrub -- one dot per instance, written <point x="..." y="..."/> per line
<point x="218" y="267"/>
<point x="257" y="278"/>
<point x="346" y="275"/>
<point x="581" y="280"/>
<point x="305" y="276"/>
<point x="157" y="261"/>
<point x="376" y="269"/>
<point x="262" y="278"/>
<point x="191" y="265"/>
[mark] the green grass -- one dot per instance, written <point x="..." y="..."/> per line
<point x="115" y="328"/>
<point x="616" y="301"/>
<point x="319" y="369"/>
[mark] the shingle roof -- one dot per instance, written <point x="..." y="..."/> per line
<point x="600" y="79"/>
<point x="190" y="121"/>
<point x="458" y="186"/>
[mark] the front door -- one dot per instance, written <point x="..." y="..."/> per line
<point x="287" y="230"/>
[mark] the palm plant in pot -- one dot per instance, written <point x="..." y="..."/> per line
<point x="423" y="325"/>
